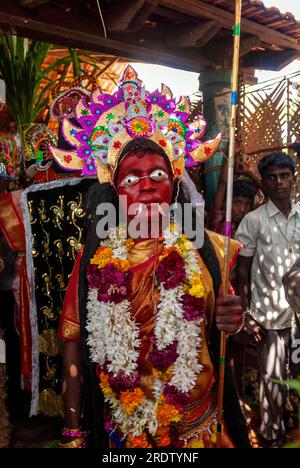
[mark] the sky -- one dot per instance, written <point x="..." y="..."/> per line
<point x="187" y="83"/>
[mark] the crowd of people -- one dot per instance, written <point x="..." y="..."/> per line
<point x="143" y="313"/>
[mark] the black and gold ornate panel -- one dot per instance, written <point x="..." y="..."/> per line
<point x="57" y="233"/>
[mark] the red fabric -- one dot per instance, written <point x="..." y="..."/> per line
<point x="49" y="175"/>
<point x="25" y="335"/>
<point x="70" y="310"/>
<point x="12" y="227"/>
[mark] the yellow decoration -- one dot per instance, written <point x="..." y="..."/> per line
<point x="131" y="400"/>
<point x="102" y="257"/>
<point x="196" y="287"/>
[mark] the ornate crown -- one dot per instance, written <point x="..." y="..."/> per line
<point x="37" y="140"/>
<point x="106" y="123"/>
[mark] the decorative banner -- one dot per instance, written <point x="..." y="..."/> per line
<point x="54" y="220"/>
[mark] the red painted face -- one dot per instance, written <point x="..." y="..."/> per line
<point x="144" y="179"/>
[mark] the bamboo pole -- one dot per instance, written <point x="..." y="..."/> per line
<point x="234" y="100"/>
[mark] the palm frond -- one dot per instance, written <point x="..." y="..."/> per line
<point x="28" y="80"/>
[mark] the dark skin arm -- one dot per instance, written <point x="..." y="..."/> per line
<point x="251" y="327"/>
<point x="72" y="385"/>
<point x="228" y="314"/>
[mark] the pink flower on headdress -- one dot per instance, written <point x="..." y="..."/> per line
<point x="117" y="144"/>
<point x="207" y="150"/>
<point x="67" y="158"/>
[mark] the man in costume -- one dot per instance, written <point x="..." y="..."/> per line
<point x="142" y="313"/>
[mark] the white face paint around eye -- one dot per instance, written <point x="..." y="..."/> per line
<point x="158" y="175"/>
<point x="130" y="180"/>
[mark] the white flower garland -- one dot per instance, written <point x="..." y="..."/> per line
<point x="169" y="315"/>
<point x="113" y="335"/>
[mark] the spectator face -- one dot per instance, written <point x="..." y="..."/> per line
<point x="278" y="182"/>
<point x="240" y="207"/>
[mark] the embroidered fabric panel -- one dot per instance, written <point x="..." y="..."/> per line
<point x="57" y="233"/>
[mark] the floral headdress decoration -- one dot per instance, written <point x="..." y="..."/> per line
<point x="37" y="140"/>
<point x="106" y="123"/>
<point x="8" y="157"/>
<point x="64" y="105"/>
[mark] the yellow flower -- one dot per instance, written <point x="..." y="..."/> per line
<point x="172" y="227"/>
<point x="107" y="392"/>
<point x="164" y="376"/>
<point x="195" y="279"/>
<point x="196" y="287"/>
<point x="167" y="413"/>
<point x="121" y="265"/>
<point x="131" y="399"/>
<point x="129" y="244"/>
<point x="102" y="257"/>
<point x="197" y="290"/>
<point x="105" y="387"/>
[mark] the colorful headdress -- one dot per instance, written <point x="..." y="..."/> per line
<point x="63" y="106"/>
<point x="8" y="157"/>
<point x="38" y="139"/>
<point x="106" y="123"/>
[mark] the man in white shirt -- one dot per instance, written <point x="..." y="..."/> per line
<point x="271" y="239"/>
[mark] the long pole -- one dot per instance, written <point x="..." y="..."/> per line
<point x="234" y="101"/>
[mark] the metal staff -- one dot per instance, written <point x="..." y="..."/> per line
<point x="234" y="100"/>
